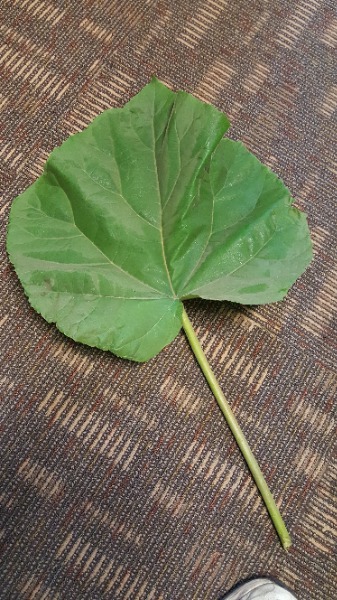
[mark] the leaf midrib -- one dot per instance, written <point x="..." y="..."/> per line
<point x="161" y="233"/>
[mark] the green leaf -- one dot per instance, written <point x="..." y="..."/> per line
<point x="146" y="207"/>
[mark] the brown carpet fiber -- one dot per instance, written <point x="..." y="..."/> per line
<point x="121" y="480"/>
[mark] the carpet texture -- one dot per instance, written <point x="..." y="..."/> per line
<point x="121" y="480"/>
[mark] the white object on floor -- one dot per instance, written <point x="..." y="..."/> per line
<point x="259" y="589"/>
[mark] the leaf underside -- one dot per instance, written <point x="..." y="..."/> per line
<point x="149" y="206"/>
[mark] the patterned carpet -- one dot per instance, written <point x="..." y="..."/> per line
<point x="121" y="480"/>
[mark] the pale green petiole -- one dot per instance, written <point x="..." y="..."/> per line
<point x="238" y="434"/>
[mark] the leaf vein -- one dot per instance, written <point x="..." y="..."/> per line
<point x="239" y="267"/>
<point x="97" y="248"/>
<point x="142" y="336"/>
<point x="160" y="206"/>
<point x="120" y="195"/>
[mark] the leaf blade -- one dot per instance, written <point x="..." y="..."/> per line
<point x="146" y="207"/>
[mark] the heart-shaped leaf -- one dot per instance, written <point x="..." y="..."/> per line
<point x="146" y="207"/>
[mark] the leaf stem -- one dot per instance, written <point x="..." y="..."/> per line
<point x="238" y="434"/>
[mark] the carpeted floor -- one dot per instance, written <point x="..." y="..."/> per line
<point x="120" y="480"/>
